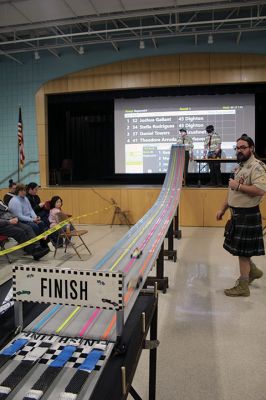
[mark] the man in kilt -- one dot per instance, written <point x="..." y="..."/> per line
<point x="243" y="232"/>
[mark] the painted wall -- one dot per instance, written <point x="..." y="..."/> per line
<point x="19" y="83"/>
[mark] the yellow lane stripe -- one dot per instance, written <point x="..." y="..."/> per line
<point x="67" y="320"/>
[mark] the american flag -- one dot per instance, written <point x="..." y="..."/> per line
<point x="20" y="141"/>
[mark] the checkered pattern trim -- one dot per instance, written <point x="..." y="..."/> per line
<point x="75" y="361"/>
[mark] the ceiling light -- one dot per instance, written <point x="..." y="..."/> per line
<point x="141" y="44"/>
<point x="81" y="50"/>
<point x="210" y="39"/>
<point x="37" y="55"/>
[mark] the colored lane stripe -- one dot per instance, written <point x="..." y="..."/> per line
<point x="90" y="321"/>
<point x="68" y="319"/>
<point x="109" y="328"/>
<point x="47" y="316"/>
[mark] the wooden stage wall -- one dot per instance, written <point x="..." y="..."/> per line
<point x="197" y="206"/>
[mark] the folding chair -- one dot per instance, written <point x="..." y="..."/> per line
<point x="3" y="240"/>
<point x="66" y="235"/>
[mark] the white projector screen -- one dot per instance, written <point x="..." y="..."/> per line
<point x="145" y="128"/>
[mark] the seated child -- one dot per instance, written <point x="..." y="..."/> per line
<point x="55" y="209"/>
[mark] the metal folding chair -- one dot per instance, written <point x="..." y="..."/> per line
<point x="67" y="234"/>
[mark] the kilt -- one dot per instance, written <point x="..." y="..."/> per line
<point x="243" y="236"/>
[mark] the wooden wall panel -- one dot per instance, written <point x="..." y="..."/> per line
<point x="191" y="207"/>
<point x="2" y="193"/>
<point x="165" y="71"/>
<point x="253" y="68"/>
<point x="99" y="199"/>
<point x="194" y="69"/>
<point x="138" y="201"/>
<point x="56" y="86"/>
<point x="212" y="202"/>
<point x="108" y="76"/>
<point x="44" y="172"/>
<point x="136" y="73"/>
<point x="81" y="81"/>
<point x="41" y="114"/>
<point x="42" y="140"/>
<point x="225" y="68"/>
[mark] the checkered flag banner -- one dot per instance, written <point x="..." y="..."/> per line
<point x="20" y="141"/>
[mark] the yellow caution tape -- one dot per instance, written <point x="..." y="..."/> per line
<point x="51" y="230"/>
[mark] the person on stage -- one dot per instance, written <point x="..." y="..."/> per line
<point x="183" y="138"/>
<point x="212" y="149"/>
<point x="243" y="232"/>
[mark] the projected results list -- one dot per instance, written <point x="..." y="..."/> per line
<point x="163" y="127"/>
<point x="149" y="135"/>
<point x="145" y="129"/>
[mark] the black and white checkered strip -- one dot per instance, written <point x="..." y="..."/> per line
<point x="50" y="355"/>
<point x="33" y="352"/>
<point x="104" y="274"/>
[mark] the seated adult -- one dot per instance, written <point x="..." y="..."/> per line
<point x="38" y="207"/>
<point x="20" y="206"/>
<point x="12" y="187"/>
<point x="11" y="227"/>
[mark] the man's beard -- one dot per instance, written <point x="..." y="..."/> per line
<point x="241" y="157"/>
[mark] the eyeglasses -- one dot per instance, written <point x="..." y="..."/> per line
<point x="242" y="147"/>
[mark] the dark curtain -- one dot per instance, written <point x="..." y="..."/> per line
<point x="83" y="133"/>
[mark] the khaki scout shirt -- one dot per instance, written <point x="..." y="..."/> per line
<point x="250" y="172"/>
<point x="212" y="142"/>
<point x="187" y="141"/>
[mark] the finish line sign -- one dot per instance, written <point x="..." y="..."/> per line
<point x="69" y="287"/>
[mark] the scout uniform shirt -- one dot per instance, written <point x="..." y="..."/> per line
<point x="212" y="143"/>
<point x="250" y="172"/>
<point x="187" y="141"/>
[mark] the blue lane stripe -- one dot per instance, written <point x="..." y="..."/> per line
<point x="91" y="360"/>
<point x="42" y="321"/>
<point x="63" y="357"/>
<point x="14" y="347"/>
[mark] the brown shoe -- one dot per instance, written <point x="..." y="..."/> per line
<point x="240" y="289"/>
<point x="255" y="272"/>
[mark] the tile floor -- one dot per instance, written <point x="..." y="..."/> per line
<point x="212" y="347"/>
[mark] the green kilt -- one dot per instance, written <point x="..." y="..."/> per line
<point x="243" y="233"/>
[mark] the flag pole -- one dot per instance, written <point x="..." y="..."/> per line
<point x="18" y="146"/>
<point x="21" y="154"/>
<point x="18" y="160"/>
